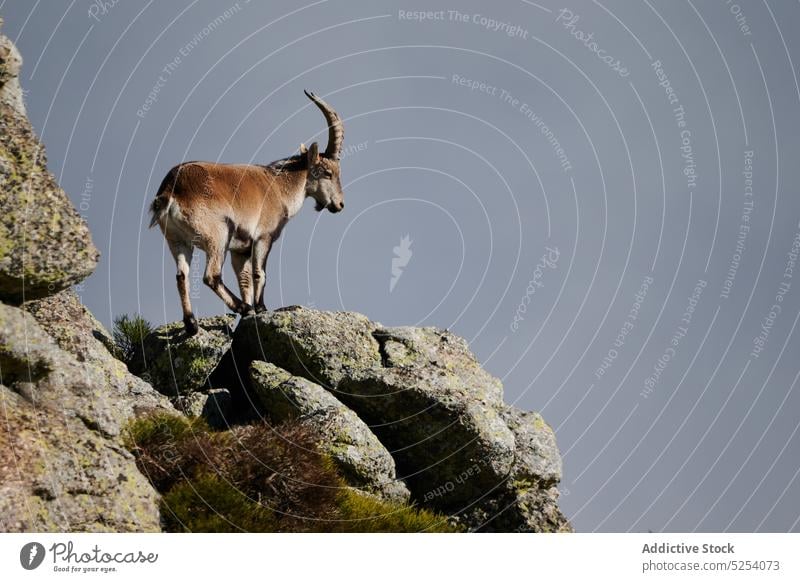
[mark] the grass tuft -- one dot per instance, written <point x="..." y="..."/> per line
<point x="129" y="334"/>
<point x="257" y="478"/>
<point x="360" y="513"/>
<point x="209" y="504"/>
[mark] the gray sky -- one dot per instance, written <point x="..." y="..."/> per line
<point x="648" y="151"/>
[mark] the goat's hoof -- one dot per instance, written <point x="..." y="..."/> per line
<point x="190" y="324"/>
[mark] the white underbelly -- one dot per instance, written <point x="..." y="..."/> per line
<point x="240" y="245"/>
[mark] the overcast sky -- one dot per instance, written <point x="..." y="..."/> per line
<point x="600" y="196"/>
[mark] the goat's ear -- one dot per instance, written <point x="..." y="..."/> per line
<point x="303" y="149"/>
<point x="313" y="154"/>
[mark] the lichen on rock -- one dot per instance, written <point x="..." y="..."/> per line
<point x="77" y="331"/>
<point x="64" y="398"/>
<point x="363" y="460"/>
<point x="322" y="346"/>
<point x="45" y="245"/>
<point x="62" y="463"/>
<point x="177" y="364"/>
<point x="457" y="446"/>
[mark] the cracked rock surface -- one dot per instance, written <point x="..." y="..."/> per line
<point x="362" y="459"/>
<point x="62" y="463"/>
<point x="457" y="446"/>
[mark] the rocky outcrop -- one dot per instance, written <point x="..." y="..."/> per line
<point x="361" y="457"/>
<point x="45" y="246"/>
<point x="10" y="65"/>
<point x="62" y="463"/>
<point x="178" y="364"/>
<point x="323" y="346"/>
<point x="185" y="369"/>
<point x="76" y="331"/>
<point x="457" y="446"/>
<point x="215" y="406"/>
<point x="64" y="398"/>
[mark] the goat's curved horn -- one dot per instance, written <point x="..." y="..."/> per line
<point x="335" y="126"/>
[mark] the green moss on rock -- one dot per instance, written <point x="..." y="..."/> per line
<point x="210" y="504"/>
<point x="177" y="364"/>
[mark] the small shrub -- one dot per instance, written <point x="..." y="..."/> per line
<point x="129" y="333"/>
<point x="257" y="478"/>
<point x="280" y="467"/>
<point x="160" y="427"/>
<point x="283" y="464"/>
<point x="166" y="447"/>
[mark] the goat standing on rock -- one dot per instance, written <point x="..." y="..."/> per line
<point x="243" y="208"/>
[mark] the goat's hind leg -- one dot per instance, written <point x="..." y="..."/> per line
<point x="215" y="256"/>
<point x="182" y="253"/>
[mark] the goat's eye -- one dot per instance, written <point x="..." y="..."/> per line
<point x="328" y="174"/>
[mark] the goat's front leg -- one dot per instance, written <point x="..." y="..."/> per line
<point x="215" y="256"/>
<point x="261" y="249"/>
<point x="243" y="269"/>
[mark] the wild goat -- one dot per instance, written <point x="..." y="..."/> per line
<point x="243" y="209"/>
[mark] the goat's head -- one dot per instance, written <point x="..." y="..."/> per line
<point x="323" y="183"/>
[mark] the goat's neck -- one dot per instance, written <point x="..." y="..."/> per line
<point x="293" y="189"/>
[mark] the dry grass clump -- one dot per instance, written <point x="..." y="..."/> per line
<point x="257" y="478"/>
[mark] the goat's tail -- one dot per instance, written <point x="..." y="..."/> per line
<point x="159" y="209"/>
<point x="160" y="206"/>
